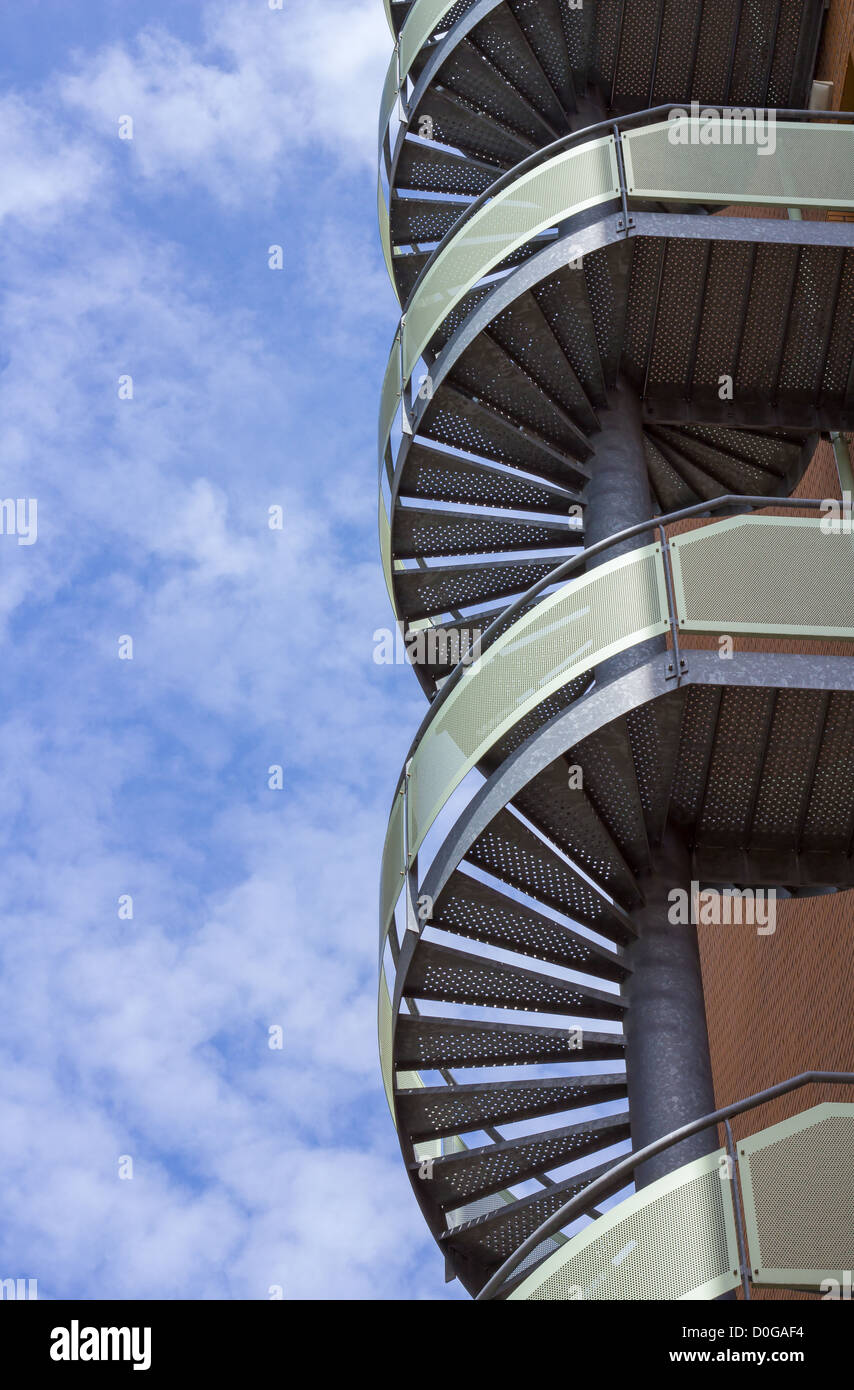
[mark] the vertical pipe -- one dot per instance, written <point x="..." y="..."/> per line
<point x="618" y="495"/>
<point x="667" y="1042"/>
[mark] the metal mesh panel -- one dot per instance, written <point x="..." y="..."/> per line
<point x="674" y="1240"/>
<point x="589" y="619"/>
<point x="391" y="878"/>
<point x="390" y="397"/>
<point x="798" y="1184"/>
<point x="385" y="231"/>
<point x="577" y="179"/>
<point x="812" y="165"/>
<point x="766" y="575"/>
<point x="384" y="1023"/>
<point x="385" y="547"/>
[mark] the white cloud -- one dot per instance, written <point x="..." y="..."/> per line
<point x="268" y="85"/>
<point x="251" y="647"/>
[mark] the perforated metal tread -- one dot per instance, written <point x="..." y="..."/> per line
<point x="429" y="1043"/>
<point x="470" y="908"/>
<point x="432" y="1112"/>
<point x="561" y="809"/>
<point x="472" y="1173"/>
<point x="510" y="851"/>
<point x="449" y="976"/>
<point x="492" y="1237"/>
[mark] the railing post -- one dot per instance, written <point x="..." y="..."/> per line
<point x="410" y="863"/>
<point x="676" y="665"/>
<point x="739" y="1220"/>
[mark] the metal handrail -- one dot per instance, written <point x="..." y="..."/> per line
<point x="616" y="127"/>
<point x="583" y="1200"/>
<point x="566" y="567"/>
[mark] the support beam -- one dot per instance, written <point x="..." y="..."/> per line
<point x="667" y="1042"/>
<point x="618" y="496"/>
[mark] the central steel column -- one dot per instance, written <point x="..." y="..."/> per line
<point x="617" y="496"/>
<point x="667" y="1043"/>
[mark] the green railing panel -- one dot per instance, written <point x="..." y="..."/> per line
<point x="809" y="165"/>
<point x="393" y="867"/>
<point x="384" y="1034"/>
<point x="385" y="547"/>
<point x="797" y="1179"/>
<point x="387" y="4"/>
<point x="390" y="396"/>
<point x="391" y="86"/>
<point x="765" y="575"/>
<point x="574" y="180"/>
<point x="385" y="229"/>
<point x="584" y="622"/>
<point x="675" y="1240"/>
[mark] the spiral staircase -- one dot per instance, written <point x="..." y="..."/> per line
<point x="592" y="348"/>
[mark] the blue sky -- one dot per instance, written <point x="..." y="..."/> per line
<point x="252" y="908"/>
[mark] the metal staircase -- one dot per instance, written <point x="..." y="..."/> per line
<point x="553" y="328"/>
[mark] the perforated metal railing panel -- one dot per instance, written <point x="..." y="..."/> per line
<point x="575" y="180"/>
<point x="798" y="1184"/>
<point x="384" y="1031"/>
<point x="788" y="163"/>
<point x="584" y="622"/>
<point x="780" y="576"/>
<point x="385" y="546"/>
<point x="676" y="1239"/>
<point x="391" y="876"/>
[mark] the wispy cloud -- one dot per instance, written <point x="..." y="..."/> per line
<point x="253" y="908"/>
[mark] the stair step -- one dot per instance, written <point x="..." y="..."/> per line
<point x="436" y="533"/>
<point x="669" y="487"/>
<point x="452" y="121"/>
<point x="419" y="221"/>
<point x="654" y="737"/>
<point x="431" y="168"/>
<point x="524" y="334"/>
<point x="492" y="1238"/>
<point x="435" y="1112"/>
<point x="472" y="1173"/>
<point x="428" y="1044"/>
<point x="566" y="308"/>
<point x="487" y="372"/>
<point x="473" y="909"/>
<point x="513" y="853"/>
<point x="443" y="477"/>
<point x="732" y="474"/>
<point x="788" y="769"/>
<point x="422" y="593"/>
<point x="569" y="819"/>
<point x="463" y="421"/>
<point x="540" y="21"/>
<point x="829" y="822"/>
<point x="448" y="976"/>
<point x="735" y="769"/>
<point x="609" y="778"/>
<point x="469" y="73"/>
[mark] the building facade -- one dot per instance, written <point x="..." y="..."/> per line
<point x="612" y="428"/>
